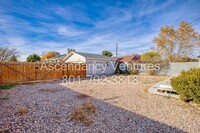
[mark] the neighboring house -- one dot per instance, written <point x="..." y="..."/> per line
<point x="95" y="64"/>
<point x="131" y="58"/>
<point x="57" y="59"/>
<point x="130" y="61"/>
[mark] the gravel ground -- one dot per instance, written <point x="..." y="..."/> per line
<point x="121" y="107"/>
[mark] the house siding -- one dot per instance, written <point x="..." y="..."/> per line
<point x="75" y="58"/>
<point x="106" y="69"/>
<point x="106" y="65"/>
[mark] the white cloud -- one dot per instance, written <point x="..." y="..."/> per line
<point x="54" y="29"/>
<point x="68" y="31"/>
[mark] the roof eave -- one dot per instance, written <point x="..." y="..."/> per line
<point x="101" y="58"/>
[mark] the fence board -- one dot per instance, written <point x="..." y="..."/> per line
<point x="11" y="72"/>
<point x="1" y="74"/>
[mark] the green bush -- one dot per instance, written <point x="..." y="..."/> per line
<point x="187" y="85"/>
<point x="33" y="58"/>
<point x="152" y="72"/>
<point x="9" y="86"/>
<point x="134" y="71"/>
<point x="150" y="57"/>
<point x="132" y="68"/>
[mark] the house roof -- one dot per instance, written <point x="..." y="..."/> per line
<point x="90" y="55"/>
<point x="86" y="55"/>
<point x="129" y="58"/>
<point x="58" y="57"/>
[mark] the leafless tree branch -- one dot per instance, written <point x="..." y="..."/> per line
<point x="6" y="53"/>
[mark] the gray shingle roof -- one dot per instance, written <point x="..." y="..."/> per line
<point x="59" y="56"/>
<point x="86" y="55"/>
<point x="89" y="55"/>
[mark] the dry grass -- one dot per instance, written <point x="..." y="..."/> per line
<point x="82" y="96"/>
<point x="87" y="122"/>
<point x="79" y="114"/>
<point x="51" y="90"/>
<point x="83" y="112"/>
<point x="89" y="107"/>
<point x="22" y="110"/>
<point x="8" y="86"/>
<point x="5" y="97"/>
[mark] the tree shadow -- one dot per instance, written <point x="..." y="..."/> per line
<point x="116" y="119"/>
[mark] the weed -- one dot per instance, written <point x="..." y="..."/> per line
<point x="4" y="97"/>
<point x="82" y="96"/>
<point x="87" y="122"/>
<point x="22" y="110"/>
<point x="82" y="113"/>
<point x="79" y="114"/>
<point x="9" y="86"/>
<point x="49" y="90"/>
<point x="89" y="107"/>
<point x="146" y="82"/>
<point x="4" y="94"/>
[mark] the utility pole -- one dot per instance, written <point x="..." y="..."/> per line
<point x="116" y="50"/>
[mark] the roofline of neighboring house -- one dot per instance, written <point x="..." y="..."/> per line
<point x="104" y="58"/>
<point x="68" y="55"/>
<point x="56" y="57"/>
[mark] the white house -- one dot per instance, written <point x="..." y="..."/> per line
<point x="95" y="64"/>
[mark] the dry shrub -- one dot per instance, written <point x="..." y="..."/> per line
<point x="87" y="122"/>
<point x="51" y="90"/>
<point x="82" y="96"/>
<point x="4" y="94"/>
<point x="82" y="113"/>
<point x="79" y="114"/>
<point x="22" y="110"/>
<point x="90" y="107"/>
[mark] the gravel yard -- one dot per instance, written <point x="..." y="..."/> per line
<point x="121" y="107"/>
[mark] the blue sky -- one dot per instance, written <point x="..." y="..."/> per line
<point x="89" y="25"/>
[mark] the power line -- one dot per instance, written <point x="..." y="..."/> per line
<point x="143" y="44"/>
<point x="194" y="24"/>
<point x="195" y="20"/>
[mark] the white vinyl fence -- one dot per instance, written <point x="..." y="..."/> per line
<point x="176" y="67"/>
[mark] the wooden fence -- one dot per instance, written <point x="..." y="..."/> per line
<point x="11" y="72"/>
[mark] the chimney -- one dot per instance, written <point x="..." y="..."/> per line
<point x="70" y="50"/>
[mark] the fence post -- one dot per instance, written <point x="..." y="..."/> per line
<point x="36" y="71"/>
<point x="1" y="74"/>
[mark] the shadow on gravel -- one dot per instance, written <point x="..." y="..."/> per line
<point x="53" y="111"/>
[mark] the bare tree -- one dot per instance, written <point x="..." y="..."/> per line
<point x="6" y="53"/>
